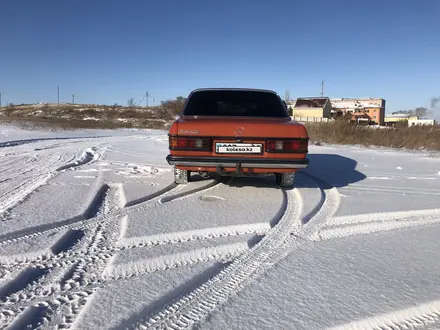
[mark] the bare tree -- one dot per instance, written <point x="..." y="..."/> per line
<point x="131" y="104"/>
<point x="173" y="107"/>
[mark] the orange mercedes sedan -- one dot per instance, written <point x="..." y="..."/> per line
<point x="237" y="132"/>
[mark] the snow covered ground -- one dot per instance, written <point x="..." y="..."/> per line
<point x="94" y="235"/>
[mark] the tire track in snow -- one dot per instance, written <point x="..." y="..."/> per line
<point x="47" y="276"/>
<point x="158" y="193"/>
<point x="361" y="224"/>
<point x="73" y="309"/>
<point x="81" y="222"/>
<point x="23" y="190"/>
<point x="46" y="284"/>
<point x="79" y="278"/>
<point x="62" y="278"/>
<point x="15" y="143"/>
<point x="200" y="302"/>
<point x="31" y="317"/>
<point x="84" y="273"/>
<point x="383" y="216"/>
<point x="171" y="261"/>
<point x="85" y="276"/>
<point x="27" y="277"/>
<point x="62" y="249"/>
<point x="71" y="301"/>
<point x="55" y="292"/>
<point x="57" y="226"/>
<point x="290" y="232"/>
<point x="409" y="318"/>
<point x="70" y="258"/>
<point x="191" y="235"/>
<point x="22" y="288"/>
<point x="393" y="190"/>
<point x="222" y="253"/>
<point x="93" y="283"/>
<point x="74" y="261"/>
<point x="73" y="257"/>
<point x="325" y="210"/>
<point x="69" y="224"/>
<point x="88" y="156"/>
<point x="67" y="241"/>
<point x="27" y="187"/>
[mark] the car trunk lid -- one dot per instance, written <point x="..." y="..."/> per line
<point x="240" y="128"/>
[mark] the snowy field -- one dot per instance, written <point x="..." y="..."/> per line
<point x="95" y="235"/>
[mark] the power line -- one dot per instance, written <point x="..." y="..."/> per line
<point x="140" y="101"/>
<point x="145" y="97"/>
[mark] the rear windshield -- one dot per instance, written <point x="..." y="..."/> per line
<point x="235" y="103"/>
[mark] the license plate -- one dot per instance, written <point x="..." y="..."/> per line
<point x="238" y="148"/>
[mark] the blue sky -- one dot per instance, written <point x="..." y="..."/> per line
<point x="108" y="51"/>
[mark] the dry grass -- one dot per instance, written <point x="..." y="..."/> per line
<point x="69" y="117"/>
<point x="85" y="116"/>
<point x="87" y="111"/>
<point x="342" y="132"/>
<point x="56" y="124"/>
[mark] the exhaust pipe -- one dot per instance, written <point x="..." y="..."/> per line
<point x="204" y="175"/>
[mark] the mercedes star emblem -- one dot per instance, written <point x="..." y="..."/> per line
<point x="238" y="131"/>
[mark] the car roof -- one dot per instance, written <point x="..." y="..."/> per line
<point x="234" y="89"/>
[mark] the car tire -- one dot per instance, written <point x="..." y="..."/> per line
<point x="285" y="180"/>
<point x="181" y="176"/>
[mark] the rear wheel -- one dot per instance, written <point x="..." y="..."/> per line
<point x="285" y="180"/>
<point x="181" y="176"/>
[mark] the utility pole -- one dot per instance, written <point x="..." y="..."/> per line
<point x="58" y="96"/>
<point x="73" y="99"/>
<point x="322" y="88"/>
<point x="146" y="99"/>
<point x="153" y="101"/>
<point x="287" y="95"/>
<point x="0" y="99"/>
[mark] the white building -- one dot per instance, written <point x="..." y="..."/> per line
<point x="429" y="122"/>
<point x="374" y="108"/>
<point x="354" y="104"/>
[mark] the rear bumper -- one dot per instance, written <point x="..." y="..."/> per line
<point x="233" y="162"/>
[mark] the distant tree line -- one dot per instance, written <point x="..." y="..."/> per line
<point x="173" y="107"/>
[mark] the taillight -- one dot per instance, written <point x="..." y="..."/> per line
<point x="287" y="145"/>
<point x="190" y="143"/>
